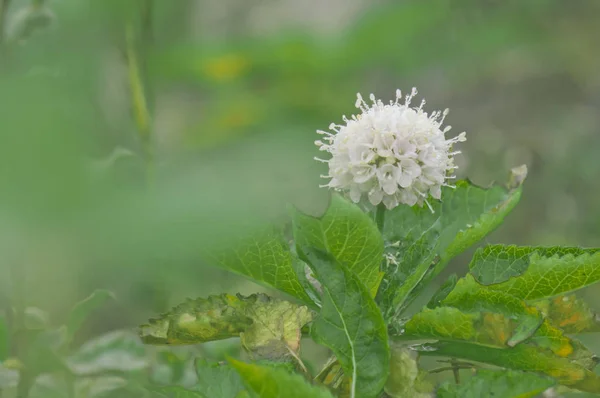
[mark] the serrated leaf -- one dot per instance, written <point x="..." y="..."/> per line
<point x="349" y="234"/>
<point x="198" y="321"/>
<point x="82" y="310"/>
<point x="218" y="380"/>
<point x="265" y="257"/>
<point x="270" y="382"/>
<point x="351" y="324"/>
<point x="569" y="313"/>
<point x="269" y="327"/>
<point x="521" y="357"/>
<point x="423" y="242"/>
<point x="470" y="296"/>
<point x="533" y="273"/>
<point x="502" y="383"/>
<point x="116" y="351"/>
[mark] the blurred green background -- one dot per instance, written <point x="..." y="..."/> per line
<point x="236" y="90"/>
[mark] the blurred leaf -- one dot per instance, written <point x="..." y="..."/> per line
<point x="505" y="383"/>
<point x="218" y="381"/>
<point x="176" y="392"/>
<point x="470" y="296"/>
<point x="35" y="318"/>
<point x="264" y="257"/>
<point x="82" y="310"/>
<point x="8" y="377"/>
<point x="348" y="234"/>
<point x="406" y="380"/>
<point x="569" y="313"/>
<point x="170" y="367"/>
<point x="97" y="387"/>
<point x="49" y="386"/>
<point x="270" y="382"/>
<point x="533" y="273"/>
<point x="423" y="242"/>
<point x="118" y="351"/>
<point x="269" y="327"/>
<point x="350" y="323"/>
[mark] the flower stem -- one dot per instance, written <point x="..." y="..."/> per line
<point x="380" y="216"/>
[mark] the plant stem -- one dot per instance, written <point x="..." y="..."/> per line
<point x="380" y="216"/>
<point x="455" y="370"/>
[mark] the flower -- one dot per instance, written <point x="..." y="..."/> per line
<point x="390" y="153"/>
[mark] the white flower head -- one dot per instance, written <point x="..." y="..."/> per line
<point x="390" y="153"/>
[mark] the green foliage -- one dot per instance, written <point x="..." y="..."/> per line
<point x="422" y="242"/>
<point x="218" y="380"/>
<point x="347" y="233"/>
<point x="269" y="328"/>
<point x="271" y="382"/>
<point x="488" y="383"/>
<point x="350" y="323"/>
<point x="265" y="257"/>
<point x="406" y="380"/>
<point x="569" y="313"/>
<point x="533" y="273"/>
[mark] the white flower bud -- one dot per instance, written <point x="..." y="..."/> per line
<point x="390" y="153"/>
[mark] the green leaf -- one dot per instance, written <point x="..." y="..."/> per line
<point x="269" y="327"/>
<point x="470" y="296"/>
<point x="100" y="387"/>
<point x="406" y="380"/>
<point x="506" y="383"/>
<point x="270" y="382"/>
<point x="533" y="273"/>
<point x="547" y="350"/>
<point x="569" y="313"/>
<point x="82" y="310"/>
<point x="443" y="291"/>
<point x="349" y="234"/>
<point x="266" y="258"/>
<point x="421" y="243"/>
<point x="116" y="351"/>
<point x="217" y="380"/>
<point x="351" y="324"/>
<point x="521" y="357"/>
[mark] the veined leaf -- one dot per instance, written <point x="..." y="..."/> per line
<point x="558" y="355"/>
<point x="272" y="382"/>
<point x="521" y="357"/>
<point x="501" y="383"/>
<point x="569" y="313"/>
<point x="269" y="327"/>
<point x="218" y="381"/>
<point x="264" y="257"/>
<point x="351" y="324"/>
<point x="349" y="234"/>
<point x="423" y="242"/>
<point x="533" y="273"/>
<point x="470" y="296"/>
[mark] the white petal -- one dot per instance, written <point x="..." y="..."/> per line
<point x="375" y="196"/>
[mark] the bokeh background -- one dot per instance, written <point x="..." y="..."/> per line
<point x="236" y="90"/>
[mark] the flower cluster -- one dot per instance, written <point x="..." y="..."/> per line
<point x="391" y="153"/>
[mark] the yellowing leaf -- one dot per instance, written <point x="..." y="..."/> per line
<point x="269" y="327"/>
